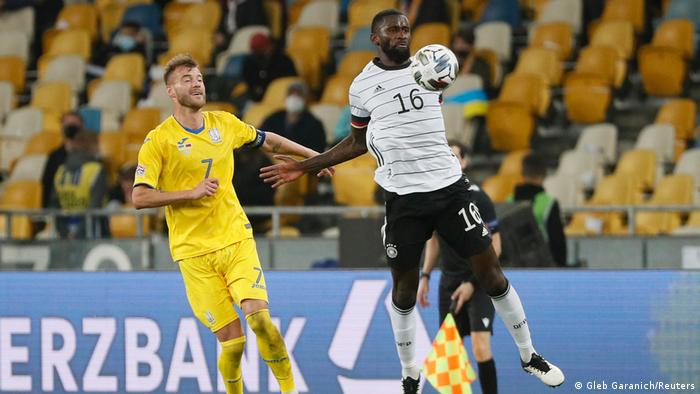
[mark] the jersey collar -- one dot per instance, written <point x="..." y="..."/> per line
<point x="383" y="66"/>
<point x="191" y="131"/>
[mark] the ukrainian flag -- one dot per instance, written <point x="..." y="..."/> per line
<point x="475" y="102"/>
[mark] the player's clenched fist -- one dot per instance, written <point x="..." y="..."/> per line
<point x="206" y="187"/>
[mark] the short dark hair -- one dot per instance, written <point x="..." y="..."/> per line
<point x="534" y="166"/>
<point x="379" y="18"/>
<point x="180" y="60"/>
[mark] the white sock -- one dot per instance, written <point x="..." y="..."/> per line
<point x="403" y="323"/>
<point x="510" y="309"/>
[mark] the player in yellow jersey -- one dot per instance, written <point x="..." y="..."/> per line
<point x="186" y="165"/>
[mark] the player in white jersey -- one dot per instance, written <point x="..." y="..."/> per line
<point x="401" y="125"/>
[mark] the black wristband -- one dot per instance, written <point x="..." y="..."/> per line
<point x="425" y="275"/>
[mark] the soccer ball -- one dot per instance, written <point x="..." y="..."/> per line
<point x="434" y="67"/>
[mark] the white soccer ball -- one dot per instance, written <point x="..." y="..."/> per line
<point x="434" y="67"/>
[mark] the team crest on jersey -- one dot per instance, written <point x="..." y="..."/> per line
<point x="391" y="251"/>
<point x="184" y="146"/>
<point x="214" y="135"/>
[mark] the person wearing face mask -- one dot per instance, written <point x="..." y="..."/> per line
<point x="264" y="64"/>
<point x="296" y="122"/>
<point x="469" y="62"/>
<point x="128" y="39"/>
<point x="71" y="123"/>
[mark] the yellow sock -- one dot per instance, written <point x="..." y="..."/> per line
<point x="272" y="348"/>
<point x="230" y="364"/>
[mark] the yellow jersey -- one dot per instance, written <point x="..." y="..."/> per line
<point x="174" y="158"/>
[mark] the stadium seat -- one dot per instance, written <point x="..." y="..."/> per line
<point x="43" y="143"/>
<point x="491" y="58"/>
<point x="678" y="34"/>
<point x="328" y="114"/>
<point x="627" y="10"/>
<point x="14" y="43"/>
<point x="681" y="113"/>
<point x="556" y="36"/>
<point x="353" y="183"/>
<point x="28" y="168"/>
<point x="360" y="13"/>
<point x="183" y="16"/>
<point x="158" y="97"/>
<point x="512" y="164"/>
<point x="310" y="39"/>
<point x="110" y="18"/>
<point x="198" y="43"/>
<point x="663" y="70"/>
<point x="661" y="139"/>
<point x="600" y="138"/>
<point x="603" y="63"/>
<point x="276" y="91"/>
<point x="463" y="83"/>
<point x="354" y="62"/>
<point x="126" y="226"/>
<point x="24" y="122"/>
<point x="639" y="165"/>
<point x="456" y="126"/>
<point x="565" y="189"/>
<point x="219" y="106"/>
<point x="19" y="20"/>
<point x="275" y="18"/>
<point x="675" y="189"/>
<point x="616" y="34"/>
<point x="138" y="122"/>
<point x="689" y="163"/>
<point x="255" y="114"/>
<point x="8" y="100"/>
<point x="19" y="195"/>
<point x="336" y="90"/>
<point x="56" y="97"/>
<point x="65" y="68"/>
<point x="320" y="13"/>
<point x="239" y="45"/>
<point x="12" y="70"/>
<point x="308" y="67"/>
<point x="112" y="96"/>
<point x="358" y="39"/>
<point x="78" y="16"/>
<point x="540" y="61"/>
<point x="530" y="90"/>
<point x="112" y="149"/>
<point x="496" y="36"/>
<point x="473" y="8"/>
<point x="510" y="125"/>
<point x="231" y="66"/>
<point x="499" y="187"/>
<point x="567" y="11"/>
<point x="70" y="42"/>
<point x="586" y="167"/>
<point x="430" y="33"/>
<point x="146" y="15"/>
<point x="126" y="67"/>
<point x="611" y="190"/>
<point x="507" y="11"/>
<point x="587" y="98"/>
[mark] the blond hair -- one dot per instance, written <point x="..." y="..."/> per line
<point x="180" y="60"/>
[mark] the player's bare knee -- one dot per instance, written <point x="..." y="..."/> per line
<point x="481" y="347"/>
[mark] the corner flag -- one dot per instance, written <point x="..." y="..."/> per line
<point x="447" y="367"/>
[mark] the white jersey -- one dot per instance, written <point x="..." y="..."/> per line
<point x="405" y="130"/>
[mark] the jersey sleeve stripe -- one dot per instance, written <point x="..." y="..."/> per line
<point x="358" y="122"/>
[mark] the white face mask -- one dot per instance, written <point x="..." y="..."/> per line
<point x="294" y="104"/>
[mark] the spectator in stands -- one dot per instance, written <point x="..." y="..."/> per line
<point x="342" y="126"/>
<point x="80" y="183"/>
<point x="238" y="14"/>
<point x="128" y="39"/>
<point x="427" y="11"/>
<point x="296" y="122"/>
<point x="250" y="189"/>
<point x="120" y="194"/>
<point x="544" y="207"/>
<point x="71" y="123"/>
<point x="469" y="62"/>
<point x="265" y="63"/>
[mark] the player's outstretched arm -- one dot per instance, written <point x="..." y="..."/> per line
<point x="146" y="197"/>
<point x="290" y="169"/>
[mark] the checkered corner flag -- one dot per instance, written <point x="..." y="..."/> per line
<point x="447" y="367"/>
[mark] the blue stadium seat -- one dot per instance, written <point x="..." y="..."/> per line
<point x="92" y="118"/>
<point x="360" y="41"/>
<point x="147" y="15"/>
<point x="503" y="10"/>
<point x="234" y="66"/>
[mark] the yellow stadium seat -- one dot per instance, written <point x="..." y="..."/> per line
<point x="138" y="122"/>
<point x="626" y="10"/>
<point x="360" y="13"/>
<point x="674" y="189"/>
<point x="694" y="219"/>
<point x="12" y="70"/>
<point x="587" y="98"/>
<point x="474" y="8"/>
<point x="611" y="190"/>
<point x="663" y="70"/>
<point x="681" y="113"/>
<point x="353" y="62"/>
<point x="182" y="16"/>
<point x="125" y="226"/>
<point x="78" y="16"/>
<point x="678" y="34"/>
<point x="219" y="106"/>
<point x="55" y="97"/>
<point x="557" y="36"/>
<point x="20" y="195"/>
<point x="510" y="126"/>
<point x="70" y="42"/>
<point x="308" y="66"/>
<point x="540" y="61"/>
<point x="430" y="33"/>
<point x="198" y="43"/>
<point x="256" y="114"/>
<point x="353" y="182"/>
<point x="310" y="39"/>
<point x="112" y="149"/>
<point x="639" y="165"/>
<point x="336" y="90"/>
<point x="491" y="58"/>
<point x="512" y="164"/>
<point x="294" y="11"/>
<point x="276" y="91"/>
<point x="601" y="62"/>
<point x="617" y="34"/>
<point x="43" y="143"/>
<point x="110" y="18"/>
<point x="500" y="187"/>
<point x="275" y="17"/>
<point x="127" y="67"/>
<point x="530" y="90"/>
